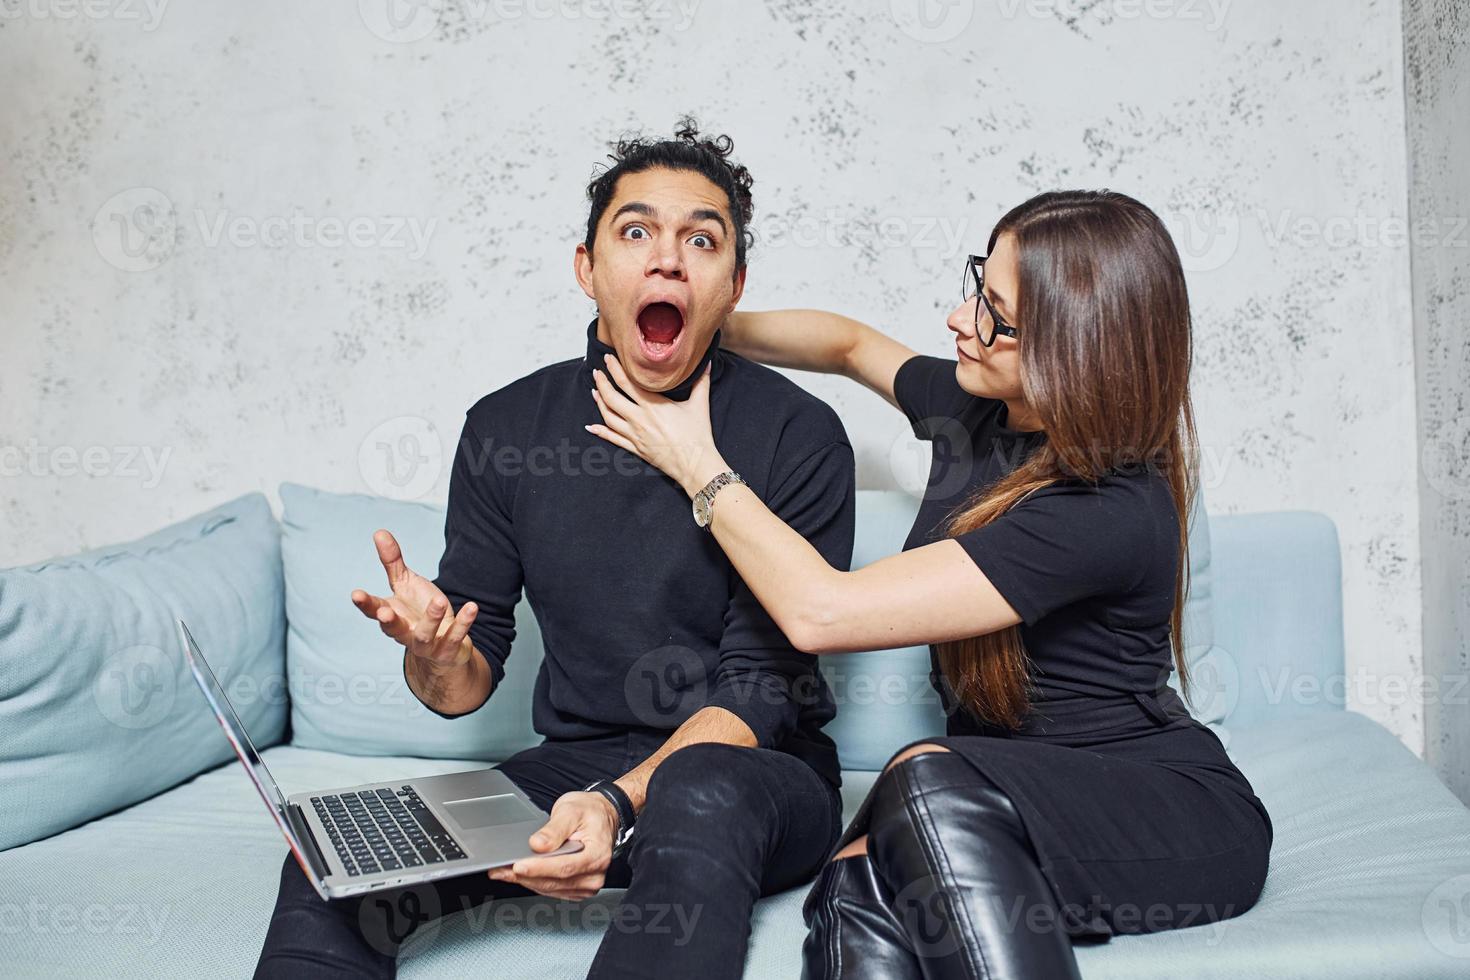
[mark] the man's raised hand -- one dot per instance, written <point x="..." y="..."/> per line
<point x="417" y="614"/>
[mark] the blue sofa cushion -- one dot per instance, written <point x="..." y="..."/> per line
<point x="347" y="688"/>
<point x="97" y="707"/>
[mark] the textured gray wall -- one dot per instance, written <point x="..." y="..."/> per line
<point x="246" y="243"/>
<point x="1437" y="72"/>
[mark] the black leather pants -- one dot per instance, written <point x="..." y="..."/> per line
<point x="950" y="887"/>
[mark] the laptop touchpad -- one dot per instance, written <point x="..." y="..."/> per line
<point x="490" y="811"/>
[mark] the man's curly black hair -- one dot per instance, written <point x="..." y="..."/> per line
<point x="688" y="150"/>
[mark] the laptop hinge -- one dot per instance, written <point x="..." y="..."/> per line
<point x="308" y="842"/>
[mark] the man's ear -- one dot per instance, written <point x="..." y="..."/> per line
<point x="739" y="289"/>
<point x="582" y="267"/>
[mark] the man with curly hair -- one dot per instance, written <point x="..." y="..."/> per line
<point x="683" y="744"/>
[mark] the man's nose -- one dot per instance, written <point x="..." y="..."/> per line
<point x="666" y="258"/>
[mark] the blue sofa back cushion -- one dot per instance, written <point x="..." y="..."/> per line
<point x="98" y="709"/>
<point x="346" y="678"/>
<point x="347" y="688"/>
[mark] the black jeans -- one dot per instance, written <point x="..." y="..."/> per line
<point x="722" y="826"/>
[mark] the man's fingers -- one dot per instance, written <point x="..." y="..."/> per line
<point x="391" y="556"/>
<point x="366" y="602"/>
<point x="392" y="624"/>
<point x="460" y="628"/>
<point x="560" y="868"/>
<point x="427" y="628"/>
<point x="554" y="832"/>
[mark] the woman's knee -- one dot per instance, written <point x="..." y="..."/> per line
<point x="913" y="750"/>
<point x="858" y="848"/>
<point x="924" y="770"/>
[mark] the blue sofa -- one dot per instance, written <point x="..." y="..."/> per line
<point x="131" y="846"/>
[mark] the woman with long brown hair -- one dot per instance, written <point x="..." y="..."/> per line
<point x="1073" y="796"/>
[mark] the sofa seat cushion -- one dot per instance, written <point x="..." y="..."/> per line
<point x="1371" y="864"/>
<point x="1370" y="867"/>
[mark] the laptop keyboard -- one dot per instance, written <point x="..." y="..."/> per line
<point x="384" y="830"/>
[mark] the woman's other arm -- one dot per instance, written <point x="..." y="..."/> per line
<point x="814" y="340"/>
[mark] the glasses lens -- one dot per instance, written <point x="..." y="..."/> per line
<point x="971" y="284"/>
<point x="984" y="323"/>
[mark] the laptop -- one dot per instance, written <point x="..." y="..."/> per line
<point x="381" y="835"/>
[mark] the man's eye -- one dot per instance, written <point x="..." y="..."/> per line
<point x="635" y="232"/>
<point x="702" y="241"/>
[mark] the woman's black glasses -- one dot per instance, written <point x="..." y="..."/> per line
<point x="975" y="286"/>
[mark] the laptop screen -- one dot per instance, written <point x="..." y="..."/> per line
<point x="270" y="792"/>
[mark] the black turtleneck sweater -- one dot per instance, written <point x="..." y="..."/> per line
<point x="642" y="617"/>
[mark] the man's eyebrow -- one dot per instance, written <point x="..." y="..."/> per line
<point x="699" y="214"/>
<point x="708" y="214"/>
<point x="633" y="207"/>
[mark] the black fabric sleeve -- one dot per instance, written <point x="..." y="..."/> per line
<point x="926" y="389"/>
<point x="481" y="562"/>
<point x="1065" y="543"/>
<point x="758" y="666"/>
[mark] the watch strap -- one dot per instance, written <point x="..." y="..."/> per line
<point x="714" y="486"/>
<point x="622" y="804"/>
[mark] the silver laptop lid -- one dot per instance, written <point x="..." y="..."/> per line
<point x="214" y="693"/>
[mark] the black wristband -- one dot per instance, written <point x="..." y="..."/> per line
<point x="621" y="803"/>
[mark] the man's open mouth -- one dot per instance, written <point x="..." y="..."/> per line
<point x="660" y="325"/>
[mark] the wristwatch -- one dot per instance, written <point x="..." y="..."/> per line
<point x="704" y="500"/>
<point x="614" y="794"/>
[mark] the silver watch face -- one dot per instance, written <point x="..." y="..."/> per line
<point x="701" y="509"/>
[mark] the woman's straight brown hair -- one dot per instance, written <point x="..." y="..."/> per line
<point x="1105" y="349"/>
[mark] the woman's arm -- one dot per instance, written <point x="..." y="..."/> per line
<point x="928" y="595"/>
<point x="814" y="340"/>
<point x="931" y="594"/>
